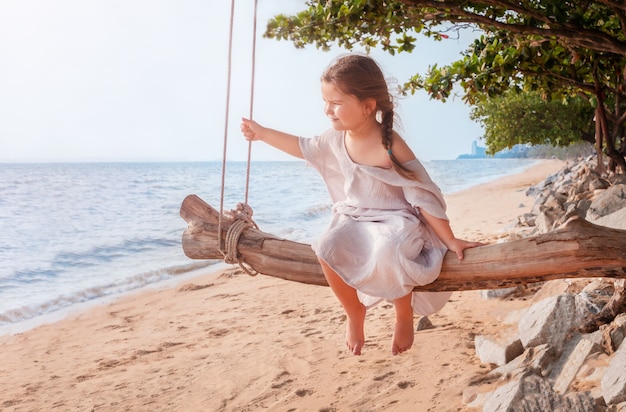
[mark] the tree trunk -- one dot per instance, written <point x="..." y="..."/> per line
<point x="577" y="250"/>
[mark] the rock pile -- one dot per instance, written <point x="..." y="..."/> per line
<point x="577" y="190"/>
<point x="544" y="362"/>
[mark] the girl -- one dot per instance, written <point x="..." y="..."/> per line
<point x="389" y="231"/>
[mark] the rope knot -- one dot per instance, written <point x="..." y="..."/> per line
<point x="244" y="212"/>
<point x="242" y="216"/>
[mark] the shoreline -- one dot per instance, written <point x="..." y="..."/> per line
<point x="81" y="307"/>
<point x="226" y="341"/>
<point x="488" y="179"/>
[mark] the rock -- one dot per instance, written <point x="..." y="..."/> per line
<point x="572" y="212"/>
<point x="498" y="350"/>
<point x="616" y="220"/>
<point x="613" y="334"/>
<point x="614" y="379"/>
<point x="554" y="202"/>
<point x="583" y="206"/>
<point x="590" y="376"/>
<point x="598" y="292"/>
<point x="539" y="359"/>
<point x="587" y="304"/>
<point x="541" y="186"/>
<point x="564" y="185"/>
<point x="538" y="205"/>
<point x="549" y="321"/>
<point x="612" y="200"/>
<point x="423" y="324"/>
<point x="498" y="293"/>
<point x="595" y="337"/>
<point x="620" y="407"/>
<point x="598" y="183"/>
<point x="546" y="219"/>
<point x="589" y="180"/>
<point x="618" y="179"/>
<point x="533" y="393"/>
<point x="574" y="355"/>
<point x="527" y="219"/>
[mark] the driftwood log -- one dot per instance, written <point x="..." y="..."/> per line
<point x="579" y="249"/>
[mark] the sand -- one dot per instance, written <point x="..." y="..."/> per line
<point x="225" y="341"/>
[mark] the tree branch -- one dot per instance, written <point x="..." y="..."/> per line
<point x="578" y="36"/>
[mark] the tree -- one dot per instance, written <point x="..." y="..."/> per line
<point x="556" y="48"/>
<point x="497" y="63"/>
<point x="515" y="117"/>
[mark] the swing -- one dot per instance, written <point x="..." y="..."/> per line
<point x="579" y="249"/>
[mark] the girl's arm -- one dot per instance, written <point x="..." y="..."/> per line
<point x="442" y="229"/>
<point x="288" y="143"/>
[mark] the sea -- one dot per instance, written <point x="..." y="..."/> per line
<point x="78" y="234"/>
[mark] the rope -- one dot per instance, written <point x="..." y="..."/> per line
<point x="242" y="215"/>
<point x="227" y="113"/>
<point x="253" y="70"/>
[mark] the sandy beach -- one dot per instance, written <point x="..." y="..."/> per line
<point x="225" y="341"/>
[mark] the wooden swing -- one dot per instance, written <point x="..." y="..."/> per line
<point x="579" y="249"/>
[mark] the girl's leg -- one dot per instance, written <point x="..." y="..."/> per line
<point x="355" y="310"/>
<point x="404" y="333"/>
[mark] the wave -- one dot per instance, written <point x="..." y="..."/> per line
<point x="120" y="286"/>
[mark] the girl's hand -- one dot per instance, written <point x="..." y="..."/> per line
<point x="459" y="245"/>
<point x="286" y="142"/>
<point x="251" y="129"/>
<point x="442" y="229"/>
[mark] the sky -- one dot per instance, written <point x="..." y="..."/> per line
<point x="146" y="80"/>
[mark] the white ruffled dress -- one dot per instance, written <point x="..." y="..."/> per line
<point x="376" y="241"/>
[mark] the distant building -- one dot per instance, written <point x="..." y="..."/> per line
<point x="479" y="152"/>
<point x="517" y="151"/>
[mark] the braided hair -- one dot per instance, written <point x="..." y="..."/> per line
<point x="359" y="75"/>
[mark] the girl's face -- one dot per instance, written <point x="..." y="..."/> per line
<point x="345" y="111"/>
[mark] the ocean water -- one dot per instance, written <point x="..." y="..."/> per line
<point x="75" y="233"/>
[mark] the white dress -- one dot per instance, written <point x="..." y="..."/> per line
<point x="376" y="241"/>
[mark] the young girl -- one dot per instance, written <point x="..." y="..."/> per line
<point x="389" y="231"/>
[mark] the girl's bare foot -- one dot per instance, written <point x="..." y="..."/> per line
<point x="404" y="334"/>
<point x="355" y="333"/>
<point x="355" y="311"/>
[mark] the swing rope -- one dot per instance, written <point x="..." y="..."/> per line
<point x="242" y="214"/>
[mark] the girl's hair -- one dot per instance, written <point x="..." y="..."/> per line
<point x="360" y="76"/>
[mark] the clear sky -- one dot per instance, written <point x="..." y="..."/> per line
<point x="111" y="80"/>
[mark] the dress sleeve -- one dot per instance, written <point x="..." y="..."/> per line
<point x="424" y="193"/>
<point x="320" y="153"/>
<point x="312" y="152"/>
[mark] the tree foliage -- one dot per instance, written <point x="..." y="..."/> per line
<point x="555" y="48"/>
<point x="513" y="118"/>
<point x="594" y="25"/>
